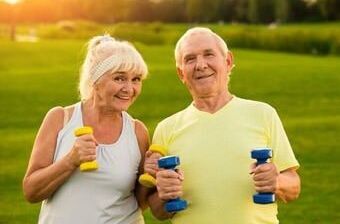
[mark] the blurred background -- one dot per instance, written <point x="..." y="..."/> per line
<point x="286" y="54"/>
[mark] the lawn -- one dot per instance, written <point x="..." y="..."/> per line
<point x="304" y="89"/>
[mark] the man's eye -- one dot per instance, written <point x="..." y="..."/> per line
<point x="187" y="60"/>
<point x="209" y="54"/>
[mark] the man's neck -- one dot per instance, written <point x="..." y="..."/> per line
<point x="213" y="103"/>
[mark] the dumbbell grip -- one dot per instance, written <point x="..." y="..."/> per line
<point x="174" y="205"/>
<point x="91" y="165"/>
<point x="261" y="161"/>
<point x="261" y="156"/>
<point x="146" y="179"/>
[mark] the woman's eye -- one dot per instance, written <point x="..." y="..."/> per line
<point x="137" y="79"/>
<point x="118" y="79"/>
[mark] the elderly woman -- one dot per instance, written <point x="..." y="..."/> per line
<point x="110" y="81"/>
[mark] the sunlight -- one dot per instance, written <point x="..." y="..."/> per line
<point x="12" y="2"/>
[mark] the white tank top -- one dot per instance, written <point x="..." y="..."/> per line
<point x="102" y="196"/>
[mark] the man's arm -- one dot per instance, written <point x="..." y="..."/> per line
<point x="169" y="186"/>
<point x="288" y="185"/>
<point x="285" y="184"/>
<point x="157" y="207"/>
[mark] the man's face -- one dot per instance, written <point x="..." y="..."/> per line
<point x="204" y="70"/>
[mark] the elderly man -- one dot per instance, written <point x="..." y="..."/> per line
<point x="213" y="137"/>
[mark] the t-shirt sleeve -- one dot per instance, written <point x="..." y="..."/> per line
<point x="160" y="136"/>
<point x="283" y="155"/>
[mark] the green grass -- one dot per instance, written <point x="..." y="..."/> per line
<point x="305" y="90"/>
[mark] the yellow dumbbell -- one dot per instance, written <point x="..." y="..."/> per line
<point x="86" y="166"/>
<point x="146" y="179"/>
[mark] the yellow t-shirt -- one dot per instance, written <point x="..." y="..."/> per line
<point x="214" y="151"/>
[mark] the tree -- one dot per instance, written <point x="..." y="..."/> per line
<point x="282" y="9"/>
<point x="37" y="11"/>
<point x="140" y="10"/>
<point x="261" y="11"/>
<point x="106" y="11"/>
<point x="227" y="10"/>
<point x="202" y="10"/>
<point x="241" y="9"/>
<point x="5" y="15"/>
<point x="330" y="9"/>
<point x="170" y="11"/>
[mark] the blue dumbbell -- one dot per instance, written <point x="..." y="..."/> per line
<point x="173" y="205"/>
<point x="261" y="155"/>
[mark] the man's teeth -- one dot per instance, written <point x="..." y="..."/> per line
<point x="203" y="76"/>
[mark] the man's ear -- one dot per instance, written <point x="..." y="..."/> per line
<point x="180" y="74"/>
<point x="230" y="61"/>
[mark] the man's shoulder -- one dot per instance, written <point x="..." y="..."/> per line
<point x="172" y="119"/>
<point x="254" y="105"/>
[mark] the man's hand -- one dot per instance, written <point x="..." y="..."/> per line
<point x="169" y="184"/>
<point x="265" y="177"/>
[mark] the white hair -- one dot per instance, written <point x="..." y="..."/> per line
<point x="104" y="54"/>
<point x="199" y="30"/>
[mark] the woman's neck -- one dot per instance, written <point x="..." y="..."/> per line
<point x="99" y="114"/>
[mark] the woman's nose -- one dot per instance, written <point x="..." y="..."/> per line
<point x="128" y="87"/>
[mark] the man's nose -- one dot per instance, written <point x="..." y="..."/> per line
<point x="201" y="63"/>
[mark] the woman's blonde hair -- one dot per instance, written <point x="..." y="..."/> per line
<point x="104" y="53"/>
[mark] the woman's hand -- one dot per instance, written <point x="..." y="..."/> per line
<point x="83" y="150"/>
<point x="151" y="162"/>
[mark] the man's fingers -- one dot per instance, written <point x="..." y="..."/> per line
<point x="262" y="168"/>
<point x="252" y="168"/>
<point x="167" y="174"/>
<point x="170" y="195"/>
<point x="267" y="188"/>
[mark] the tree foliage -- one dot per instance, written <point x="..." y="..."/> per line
<point x="109" y="11"/>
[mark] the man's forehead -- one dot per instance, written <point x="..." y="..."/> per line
<point x="198" y="42"/>
<point x="197" y="37"/>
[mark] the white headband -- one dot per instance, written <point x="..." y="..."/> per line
<point x="103" y="67"/>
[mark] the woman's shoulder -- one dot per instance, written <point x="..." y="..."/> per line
<point x="56" y="112"/>
<point x="140" y="129"/>
<point x="142" y="135"/>
<point x="59" y="115"/>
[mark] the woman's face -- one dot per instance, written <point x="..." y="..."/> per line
<point x="117" y="91"/>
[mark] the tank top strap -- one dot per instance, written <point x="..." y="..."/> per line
<point x="75" y="121"/>
<point x="129" y="123"/>
<point x="77" y="116"/>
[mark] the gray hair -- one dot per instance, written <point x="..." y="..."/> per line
<point x="104" y="53"/>
<point x="199" y="30"/>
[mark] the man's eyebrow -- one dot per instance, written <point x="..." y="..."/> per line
<point x="188" y="56"/>
<point x="209" y="50"/>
